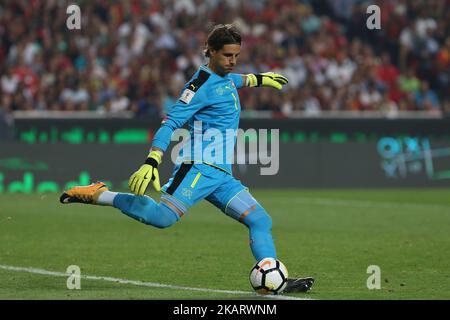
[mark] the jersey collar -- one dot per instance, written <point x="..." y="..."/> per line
<point x="205" y="68"/>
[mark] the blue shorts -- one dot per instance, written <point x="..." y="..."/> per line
<point x="192" y="182"/>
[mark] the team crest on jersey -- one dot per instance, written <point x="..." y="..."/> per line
<point x="187" y="96"/>
<point x="186" y="193"/>
<point x="220" y="91"/>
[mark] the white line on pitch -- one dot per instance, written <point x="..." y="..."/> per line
<point x="361" y="203"/>
<point x="146" y="284"/>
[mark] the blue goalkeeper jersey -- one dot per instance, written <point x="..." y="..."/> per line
<point x="209" y="103"/>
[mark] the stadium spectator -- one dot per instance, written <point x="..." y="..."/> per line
<point x="426" y="99"/>
<point x="129" y="53"/>
<point x="6" y="119"/>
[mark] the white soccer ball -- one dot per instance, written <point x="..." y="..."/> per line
<point x="269" y="276"/>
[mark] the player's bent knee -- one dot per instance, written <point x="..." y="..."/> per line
<point x="258" y="219"/>
<point x="147" y="211"/>
<point x="163" y="217"/>
<point x="244" y="208"/>
<point x="241" y="205"/>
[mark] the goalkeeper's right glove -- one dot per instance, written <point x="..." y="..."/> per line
<point x="147" y="172"/>
<point x="267" y="79"/>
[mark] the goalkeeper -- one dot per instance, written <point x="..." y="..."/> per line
<point x="210" y="97"/>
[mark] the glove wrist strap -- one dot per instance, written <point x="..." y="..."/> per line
<point x="153" y="158"/>
<point x="152" y="162"/>
<point x="254" y="80"/>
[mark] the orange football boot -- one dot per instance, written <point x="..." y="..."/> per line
<point x="83" y="194"/>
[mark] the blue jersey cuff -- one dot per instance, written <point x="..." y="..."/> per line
<point x="162" y="138"/>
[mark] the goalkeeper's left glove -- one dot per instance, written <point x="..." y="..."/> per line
<point x="267" y="79"/>
<point x="147" y="172"/>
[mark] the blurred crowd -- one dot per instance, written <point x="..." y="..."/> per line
<point x="136" y="55"/>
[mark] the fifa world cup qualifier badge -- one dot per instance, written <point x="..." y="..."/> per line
<point x="187" y="96"/>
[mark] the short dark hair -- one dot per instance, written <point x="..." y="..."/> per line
<point x="221" y="35"/>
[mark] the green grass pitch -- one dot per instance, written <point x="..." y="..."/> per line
<point x="332" y="235"/>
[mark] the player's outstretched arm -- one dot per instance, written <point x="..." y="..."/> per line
<point x="191" y="100"/>
<point x="266" y="79"/>
<point x="147" y="172"/>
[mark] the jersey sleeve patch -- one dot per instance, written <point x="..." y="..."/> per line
<point x="193" y="87"/>
<point x="187" y="96"/>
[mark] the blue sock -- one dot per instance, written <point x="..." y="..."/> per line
<point x="260" y="228"/>
<point x="145" y="210"/>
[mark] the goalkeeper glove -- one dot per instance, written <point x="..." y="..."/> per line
<point x="147" y="172"/>
<point x="267" y="79"/>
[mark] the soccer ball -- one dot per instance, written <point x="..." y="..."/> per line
<point x="269" y="276"/>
